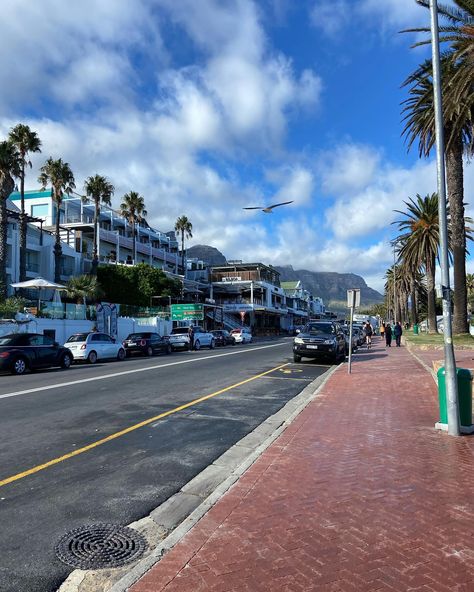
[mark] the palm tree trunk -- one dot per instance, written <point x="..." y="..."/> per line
<point x="6" y="188"/>
<point x="95" y="260"/>
<point x="57" y="246"/>
<point x="182" y="252"/>
<point x="430" y="287"/>
<point x="414" y="308"/>
<point x="134" y="254"/>
<point x="454" y="179"/>
<point x="22" y="225"/>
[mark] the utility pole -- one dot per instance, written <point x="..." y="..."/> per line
<point x="449" y="361"/>
<point x="394" y="286"/>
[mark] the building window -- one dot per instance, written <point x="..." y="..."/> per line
<point x="40" y="210"/>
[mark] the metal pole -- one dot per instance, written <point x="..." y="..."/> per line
<point x="349" y="367"/>
<point x="394" y="287"/>
<point x="449" y="361"/>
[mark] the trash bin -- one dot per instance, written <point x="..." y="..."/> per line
<point x="464" y="382"/>
<point x="415" y="329"/>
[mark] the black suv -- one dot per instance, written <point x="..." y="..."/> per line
<point x="320" y="339"/>
<point x="20" y="352"/>
<point x="146" y="343"/>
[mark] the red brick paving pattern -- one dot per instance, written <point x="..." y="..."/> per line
<point x="359" y="494"/>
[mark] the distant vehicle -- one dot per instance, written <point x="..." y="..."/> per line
<point x="20" y="352"/>
<point x="93" y="346"/>
<point x="203" y="338"/>
<point x="223" y="337"/>
<point x="242" y="335"/>
<point x="355" y="338"/>
<point x="179" y="338"/>
<point x="146" y="343"/>
<point x="320" y="339"/>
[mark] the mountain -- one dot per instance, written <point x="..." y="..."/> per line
<point x="330" y="286"/>
<point x="205" y="253"/>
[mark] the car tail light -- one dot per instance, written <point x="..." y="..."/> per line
<point x="83" y="346"/>
<point x="4" y="354"/>
<point x="142" y="343"/>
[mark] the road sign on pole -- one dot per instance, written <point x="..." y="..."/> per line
<point x="353" y="301"/>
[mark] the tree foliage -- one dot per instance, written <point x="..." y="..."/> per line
<point x="135" y="284"/>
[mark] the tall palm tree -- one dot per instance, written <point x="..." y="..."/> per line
<point x="419" y="243"/>
<point x="61" y="178"/>
<point x="470" y="290"/>
<point x="10" y="167"/>
<point x="83" y="287"/>
<point x="184" y="227"/>
<point x="26" y="142"/>
<point x="133" y="209"/>
<point x="458" y="127"/>
<point x="100" y="190"/>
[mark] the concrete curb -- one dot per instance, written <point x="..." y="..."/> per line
<point x="422" y="362"/>
<point x="177" y="515"/>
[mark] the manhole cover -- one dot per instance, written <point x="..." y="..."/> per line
<point x="100" y="545"/>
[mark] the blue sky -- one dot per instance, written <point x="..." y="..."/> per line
<point x="207" y="106"/>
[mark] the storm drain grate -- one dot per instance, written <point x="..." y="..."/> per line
<point x="99" y="546"/>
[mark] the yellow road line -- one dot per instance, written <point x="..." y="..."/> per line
<point x="132" y="428"/>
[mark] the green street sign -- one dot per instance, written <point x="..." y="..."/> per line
<point x="183" y="312"/>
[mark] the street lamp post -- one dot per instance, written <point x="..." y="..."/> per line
<point x="449" y="361"/>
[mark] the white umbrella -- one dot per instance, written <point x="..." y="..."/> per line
<point x="40" y="284"/>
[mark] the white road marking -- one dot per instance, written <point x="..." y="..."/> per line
<point x="148" y="368"/>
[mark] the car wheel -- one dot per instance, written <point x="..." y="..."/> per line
<point x="296" y="358"/>
<point x="212" y="345"/>
<point x="92" y="357"/>
<point x="121" y="355"/>
<point x="197" y="345"/>
<point x="149" y="351"/>
<point x="66" y="361"/>
<point x="19" y="366"/>
<point x="169" y="349"/>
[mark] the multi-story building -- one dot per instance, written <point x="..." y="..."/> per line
<point x="298" y="305"/>
<point x="114" y="237"/>
<point x="250" y="293"/>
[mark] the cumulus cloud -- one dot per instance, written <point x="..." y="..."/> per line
<point x="330" y="16"/>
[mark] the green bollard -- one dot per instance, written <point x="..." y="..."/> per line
<point x="415" y="329"/>
<point x="464" y="383"/>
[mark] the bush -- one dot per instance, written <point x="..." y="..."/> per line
<point x="10" y="306"/>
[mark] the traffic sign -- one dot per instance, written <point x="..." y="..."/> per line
<point x="184" y="312"/>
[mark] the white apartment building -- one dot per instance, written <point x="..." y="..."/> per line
<point x="115" y="239"/>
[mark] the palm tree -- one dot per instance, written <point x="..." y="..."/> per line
<point x="59" y="174"/>
<point x="26" y="142"/>
<point x="82" y="287"/>
<point x="420" y="124"/>
<point x="100" y="190"/>
<point x="470" y="290"/>
<point x="133" y="209"/>
<point x="183" y="226"/>
<point x="10" y="167"/>
<point x="419" y="243"/>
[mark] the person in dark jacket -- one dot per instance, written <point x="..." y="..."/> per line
<point x="388" y="335"/>
<point x="397" y="332"/>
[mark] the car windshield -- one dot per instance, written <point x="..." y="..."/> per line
<point x="78" y="337"/>
<point x="180" y="331"/>
<point x="139" y="336"/>
<point x="319" y="329"/>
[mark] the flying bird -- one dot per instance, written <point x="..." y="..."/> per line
<point x="268" y="209"/>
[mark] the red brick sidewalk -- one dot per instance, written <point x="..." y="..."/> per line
<point x="359" y="494"/>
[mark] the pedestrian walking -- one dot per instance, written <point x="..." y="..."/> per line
<point x="397" y="332"/>
<point x="388" y="335"/>
<point x="382" y="330"/>
<point x="368" y="334"/>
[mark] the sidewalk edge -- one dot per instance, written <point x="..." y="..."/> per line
<point x="288" y="412"/>
<point x="420" y="361"/>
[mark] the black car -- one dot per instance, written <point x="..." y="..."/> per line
<point x="146" y="343"/>
<point x="223" y="337"/>
<point x="20" y="352"/>
<point x="320" y="339"/>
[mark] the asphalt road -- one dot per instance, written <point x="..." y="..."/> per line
<point x="44" y="417"/>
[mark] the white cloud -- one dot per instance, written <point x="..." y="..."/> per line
<point x="330" y="16"/>
<point x="395" y="14"/>
<point x="348" y="168"/>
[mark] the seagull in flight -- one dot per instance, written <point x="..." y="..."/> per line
<point x="269" y="209"/>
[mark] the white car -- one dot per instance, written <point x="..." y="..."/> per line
<point x="90" y="347"/>
<point x="180" y="338"/>
<point x="242" y="335"/>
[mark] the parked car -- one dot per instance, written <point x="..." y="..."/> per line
<point x="320" y="339"/>
<point x="202" y="338"/>
<point x="223" y="337"/>
<point x="242" y="335"/>
<point x="20" y="352"/>
<point x="361" y="331"/>
<point x="146" y="343"/>
<point x="90" y="347"/>
<point x="179" y="338"/>
<point x="355" y="338"/>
